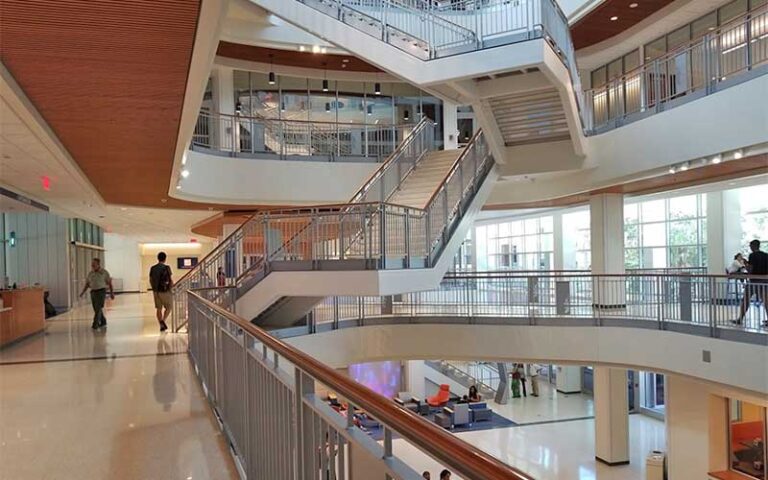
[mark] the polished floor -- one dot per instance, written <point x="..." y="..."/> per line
<point x="553" y="451"/>
<point x="120" y="403"/>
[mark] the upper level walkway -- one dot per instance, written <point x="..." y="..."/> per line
<point x="122" y="402"/>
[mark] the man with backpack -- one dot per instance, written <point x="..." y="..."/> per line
<point x="161" y="283"/>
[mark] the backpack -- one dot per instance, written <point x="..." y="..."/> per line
<point x="164" y="283"/>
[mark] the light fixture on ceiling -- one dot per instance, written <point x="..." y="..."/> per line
<point x="738" y="154"/>
<point x="178" y="187"/>
<point x="684" y="167"/>
<point x="302" y="48"/>
<point x="323" y="50"/>
<point x="614" y="18"/>
<point x="315" y="48"/>
<point x="717" y="159"/>
<point x="406" y="116"/>
<point x="632" y="5"/>
<point x="369" y="110"/>
<point x="185" y="173"/>
<point x="325" y="78"/>
<point x="671" y="169"/>
<point x="271" y="69"/>
<point x="327" y="107"/>
<point x="282" y="106"/>
<point x="377" y="88"/>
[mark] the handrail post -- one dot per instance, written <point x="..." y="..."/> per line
<point x="382" y="237"/>
<point x="407" y="229"/>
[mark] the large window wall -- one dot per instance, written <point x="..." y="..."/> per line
<point x="293" y="98"/>
<point x="525" y="244"/>
<point x="666" y="233"/>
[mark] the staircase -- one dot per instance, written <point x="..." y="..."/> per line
<point x="280" y="263"/>
<point x="419" y="186"/>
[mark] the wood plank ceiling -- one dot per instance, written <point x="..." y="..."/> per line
<point x="596" y="26"/>
<point x="294" y="58"/>
<point x="109" y="77"/>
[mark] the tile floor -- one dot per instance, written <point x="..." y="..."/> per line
<point x="123" y="403"/>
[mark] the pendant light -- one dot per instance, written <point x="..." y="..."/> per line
<point x="327" y="107"/>
<point x="271" y="71"/>
<point x="377" y="88"/>
<point x="370" y="110"/>
<point x="406" y="117"/>
<point x="325" y="78"/>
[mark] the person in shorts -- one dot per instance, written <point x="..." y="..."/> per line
<point x="161" y="282"/>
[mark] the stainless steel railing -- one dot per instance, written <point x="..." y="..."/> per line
<point x="711" y="305"/>
<point x="267" y="395"/>
<point x="698" y="68"/>
<point x="369" y="235"/>
<point x="241" y="135"/>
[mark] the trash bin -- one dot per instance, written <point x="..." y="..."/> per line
<point x="654" y="465"/>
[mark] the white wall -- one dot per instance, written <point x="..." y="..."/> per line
<point x="41" y="254"/>
<point x="123" y="260"/>
<point x="248" y="181"/>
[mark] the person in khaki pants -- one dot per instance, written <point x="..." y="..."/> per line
<point x="533" y="377"/>
<point x="161" y="282"/>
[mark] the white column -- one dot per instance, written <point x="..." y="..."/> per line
<point x="611" y="415"/>
<point x="697" y="429"/>
<point x="450" y="126"/>
<point x="224" y="103"/>
<point x="715" y="234"/>
<point x="558" y="242"/>
<point x="606" y="213"/>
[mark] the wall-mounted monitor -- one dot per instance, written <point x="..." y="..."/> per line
<point x="186" y="263"/>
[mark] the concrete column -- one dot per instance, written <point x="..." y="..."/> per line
<point x="697" y="429"/>
<point x="224" y="102"/>
<point x="611" y="415"/>
<point x="450" y="126"/>
<point x="606" y="212"/>
<point x="558" y="242"/>
<point x="723" y="234"/>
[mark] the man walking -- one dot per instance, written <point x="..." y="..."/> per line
<point x="161" y="283"/>
<point x="757" y="264"/>
<point x="98" y="280"/>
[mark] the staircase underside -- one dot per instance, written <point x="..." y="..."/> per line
<point x="531" y="117"/>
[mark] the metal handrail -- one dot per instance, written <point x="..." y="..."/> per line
<point x="465" y="459"/>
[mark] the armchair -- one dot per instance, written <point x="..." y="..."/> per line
<point x="441" y="398"/>
<point x="414" y="404"/>
<point x="452" y="416"/>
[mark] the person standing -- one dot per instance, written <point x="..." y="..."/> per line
<point x="161" y="282"/>
<point x="523" y="379"/>
<point x="98" y="280"/>
<point x="757" y="264"/>
<point x="533" y="376"/>
<point x="221" y="277"/>
<point x="737" y="266"/>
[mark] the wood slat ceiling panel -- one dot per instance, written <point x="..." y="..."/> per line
<point x="597" y="26"/>
<point x="109" y="77"/>
<point x="294" y="58"/>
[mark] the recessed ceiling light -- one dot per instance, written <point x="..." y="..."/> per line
<point x="316" y="49"/>
<point x="717" y="159"/>
<point x="346" y="60"/>
<point x="301" y="48"/>
<point x="323" y="50"/>
<point x="614" y="18"/>
<point x="632" y="5"/>
<point x="185" y="173"/>
<point x="738" y="154"/>
<point x="671" y="169"/>
<point x="684" y="167"/>
<point x="178" y="187"/>
<point x="123" y="208"/>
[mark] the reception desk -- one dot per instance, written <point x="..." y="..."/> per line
<point x="21" y="315"/>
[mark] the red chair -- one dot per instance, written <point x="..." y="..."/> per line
<point x="442" y="397"/>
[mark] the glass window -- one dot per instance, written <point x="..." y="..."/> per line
<point x="265" y="97"/>
<point x="631" y="213"/>
<point x="653" y="211"/>
<point x="679" y="37"/>
<point x="599" y="77"/>
<point x="615" y="69"/>
<point x="547" y="224"/>
<point x="682" y="207"/>
<point x="294" y="101"/>
<point x="683" y="232"/>
<point x="322" y="105"/>
<point x="732" y="10"/>
<point x="654" y="234"/>
<point x="655" y="49"/>
<point x="704" y="25"/>
<point x="631" y="61"/>
<point x="747" y="438"/>
<point x="242" y="89"/>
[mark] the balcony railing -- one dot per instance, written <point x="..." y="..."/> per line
<point x="365" y="236"/>
<point x="709" y="305"/>
<point x="240" y="135"/>
<point x="721" y="58"/>
<point x="266" y="394"/>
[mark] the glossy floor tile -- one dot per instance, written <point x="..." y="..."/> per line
<point x="109" y="417"/>
<point x="131" y="330"/>
<point x="553" y="451"/>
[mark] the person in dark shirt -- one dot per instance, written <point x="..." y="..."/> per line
<point x="757" y="264"/>
<point x="161" y="282"/>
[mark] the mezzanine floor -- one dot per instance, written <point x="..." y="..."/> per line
<point x="120" y="403"/>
